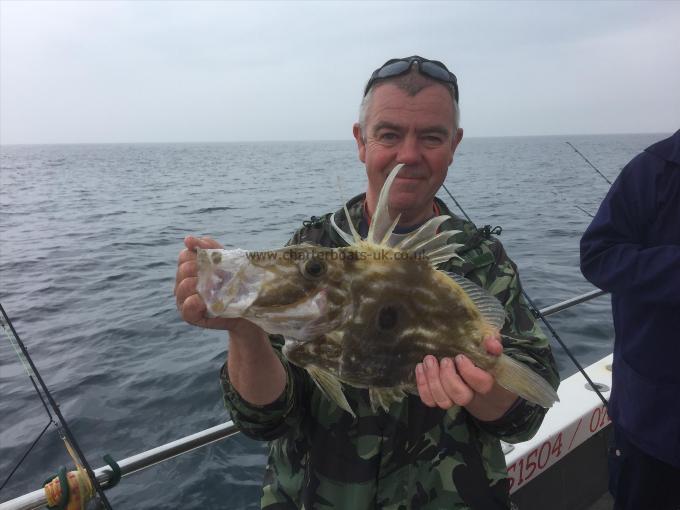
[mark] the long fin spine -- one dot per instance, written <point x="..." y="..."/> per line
<point x="423" y="233"/>
<point x="381" y="214"/>
<point x="345" y="236"/>
<point x="355" y="234"/>
<point x="385" y="240"/>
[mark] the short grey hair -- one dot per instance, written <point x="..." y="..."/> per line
<point x="411" y="83"/>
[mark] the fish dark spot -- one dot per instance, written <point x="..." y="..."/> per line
<point x="387" y="318"/>
<point x="314" y="268"/>
<point x="216" y="257"/>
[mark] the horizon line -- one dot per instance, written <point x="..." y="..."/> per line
<point x="314" y="140"/>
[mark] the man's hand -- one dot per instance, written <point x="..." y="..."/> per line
<point x="462" y="383"/>
<point x="255" y="371"/>
<point x="191" y="306"/>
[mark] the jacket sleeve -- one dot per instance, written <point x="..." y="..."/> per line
<point x="273" y="420"/>
<point x="614" y="256"/>
<point x="524" y="341"/>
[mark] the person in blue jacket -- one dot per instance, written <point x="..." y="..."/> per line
<point x="632" y="250"/>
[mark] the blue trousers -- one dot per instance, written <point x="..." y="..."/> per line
<point x="638" y="481"/>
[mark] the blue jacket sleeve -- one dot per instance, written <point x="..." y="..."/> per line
<point x="615" y="255"/>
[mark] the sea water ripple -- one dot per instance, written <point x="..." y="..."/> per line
<point x="89" y="240"/>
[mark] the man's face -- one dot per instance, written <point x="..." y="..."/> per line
<point x="414" y="130"/>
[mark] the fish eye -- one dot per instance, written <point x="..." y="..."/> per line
<point x="314" y="268"/>
<point x="387" y="318"/>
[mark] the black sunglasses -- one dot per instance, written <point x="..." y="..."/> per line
<point x="398" y="66"/>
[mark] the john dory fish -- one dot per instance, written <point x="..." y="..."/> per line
<point x="367" y="313"/>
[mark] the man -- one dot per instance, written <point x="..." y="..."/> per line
<point x="441" y="450"/>
<point x="632" y="249"/>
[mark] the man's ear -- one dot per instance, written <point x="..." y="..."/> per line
<point x="455" y="140"/>
<point x="361" y="143"/>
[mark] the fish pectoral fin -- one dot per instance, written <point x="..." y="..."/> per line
<point x="331" y="387"/>
<point x="385" y="397"/>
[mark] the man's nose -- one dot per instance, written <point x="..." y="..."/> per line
<point x="409" y="151"/>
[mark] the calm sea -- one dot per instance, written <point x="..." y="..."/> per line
<point x="89" y="237"/>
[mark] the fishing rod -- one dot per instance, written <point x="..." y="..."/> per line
<point x="62" y="426"/>
<point x="537" y="313"/>
<point x="588" y="161"/>
<point x="557" y="195"/>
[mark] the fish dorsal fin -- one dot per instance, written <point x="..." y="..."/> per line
<point x="444" y="257"/>
<point x="443" y="254"/>
<point x="490" y="308"/>
<point x="345" y="236"/>
<point x="385" y="241"/>
<point x="380" y="224"/>
<point x="438" y="241"/>
<point x="438" y="249"/>
<point x="422" y="234"/>
<point x="426" y="241"/>
<point x="331" y="387"/>
<point x="384" y="397"/>
<point x="356" y="237"/>
<point x="353" y="230"/>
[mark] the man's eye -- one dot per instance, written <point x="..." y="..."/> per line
<point x="388" y="137"/>
<point x="433" y="139"/>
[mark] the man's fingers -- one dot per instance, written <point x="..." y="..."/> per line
<point x="192" y="243"/>
<point x="423" y="388"/>
<point x="206" y="243"/>
<point x="191" y="306"/>
<point x="188" y="269"/>
<point x="185" y="289"/>
<point x="478" y="380"/>
<point x="451" y="383"/>
<point x="439" y="395"/>
<point x="454" y="385"/>
<point x="493" y="345"/>
<point x="186" y="255"/>
<point x="193" y="309"/>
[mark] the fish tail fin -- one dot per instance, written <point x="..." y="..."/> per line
<point x="520" y="379"/>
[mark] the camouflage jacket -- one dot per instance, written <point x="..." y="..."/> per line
<point x="412" y="456"/>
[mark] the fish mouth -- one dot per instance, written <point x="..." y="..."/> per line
<point x="227" y="282"/>
<point x="297" y="322"/>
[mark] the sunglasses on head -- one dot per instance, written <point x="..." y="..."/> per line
<point x="398" y="66"/>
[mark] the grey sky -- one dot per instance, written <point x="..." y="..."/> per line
<point x="224" y="71"/>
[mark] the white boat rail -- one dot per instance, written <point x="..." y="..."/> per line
<point x="143" y="460"/>
<point x="563" y="305"/>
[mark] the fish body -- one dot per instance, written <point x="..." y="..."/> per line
<point x="366" y="314"/>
